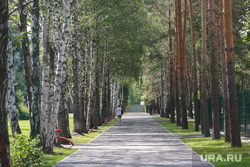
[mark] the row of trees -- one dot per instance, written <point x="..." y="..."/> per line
<point x="88" y="49"/>
<point x="180" y="74"/>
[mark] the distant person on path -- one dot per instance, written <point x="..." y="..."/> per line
<point x="119" y="113"/>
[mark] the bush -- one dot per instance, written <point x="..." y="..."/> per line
<point x="25" y="151"/>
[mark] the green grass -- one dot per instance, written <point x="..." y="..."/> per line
<point x="60" y="153"/>
<point x="165" y="122"/>
<point x="208" y="147"/>
<point x="215" y="150"/>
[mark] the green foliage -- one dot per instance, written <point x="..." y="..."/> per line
<point x="25" y="151"/>
<point x="24" y="114"/>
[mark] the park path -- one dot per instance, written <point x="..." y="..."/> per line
<point x="138" y="141"/>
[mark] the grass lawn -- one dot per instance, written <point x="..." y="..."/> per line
<point x="217" y="151"/>
<point x="60" y="153"/>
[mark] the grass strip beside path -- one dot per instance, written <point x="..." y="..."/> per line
<point x="60" y="153"/>
<point x="217" y="152"/>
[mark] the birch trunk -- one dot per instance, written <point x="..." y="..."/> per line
<point x="11" y="107"/>
<point x="204" y="75"/>
<point x="214" y="70"/>
<point x="63" y="122"/>
<point x="47" y="113"/>
<point x="91" y="78"/>
<point x="96" y="120"/>
<point x="4" y="78"/>
<point x="36" y="74"/>
<point x="224" y="76"/>
<point x="77" y="72"/>
<point x="85" y="78"/>
<point x="23" y="12"/>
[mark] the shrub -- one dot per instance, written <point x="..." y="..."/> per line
<point x="25" y="151"/>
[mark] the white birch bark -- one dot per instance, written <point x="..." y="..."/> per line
<point x="91" y="78"/>
<point x="62" y="89"/>
<point x="11" y="107"/>
<point x="47" y="113"/>
<point x="59" y="57"/>
<point x="36" y="74"/>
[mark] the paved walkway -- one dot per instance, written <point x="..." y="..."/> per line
<point x="139" y="141"/>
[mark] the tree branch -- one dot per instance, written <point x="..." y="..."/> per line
<point x="161" y="11"/>
<point x="19" y="7"/>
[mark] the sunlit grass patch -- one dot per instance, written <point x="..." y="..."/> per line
<point x="216" y="148"/>
<point x="178" y="129"/>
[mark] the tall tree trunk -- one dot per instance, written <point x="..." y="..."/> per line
<point x="166" y="92"/>
<point x="171" y="73"/>
<point x="203" y="72"/>
<point x="23" y="12"/>
<point x="195" y="87"/>
<point x="108" y="94"/>
<point x="224" y="77"/>
<point x="11" y="107"/>
<point x="63" y="103"/>
<point x="182" y="65"/>
<point x="190" y="88"/>
<point x="79" y="121"/>
<point x="4" y="77"/>
<point x="95" y="93"/>
<point x="177" y="53"/>
<point x="229" y="47"/>
<point x="47" y="114"/>
<point x="214" y="70"/>
<point x="85" y="80"/>
<point x="91" y="80"/>
<point x="200" y="87"/>
<point x="36" y="74"/>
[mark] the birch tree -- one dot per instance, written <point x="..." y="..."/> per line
<point x="78" y="109"/>
<point x="11" y="91"/>
<point x="36" y="72"/>
<point x="61" y="87"/>
<point x="23" y="13"/>
<point x="47" y="114"/>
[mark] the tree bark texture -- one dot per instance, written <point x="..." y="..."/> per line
<point x="203" y="72"/>
<point x="36" y="72"/>
<point x="63" y="81"/>
<point x="195" y="86"/>
<point x="79" y="121"/>
<point x="229" y="48"/>
<point x="214" y="70"/>
<point x="177" y="53"/>
<point x="11" y="107"/>
<point x="23" y="12"/>
<point x="4" y="76"/>
<point x="182" y="40"/>
<point x="47" y="120"/>
<point x="224" y="76"/>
